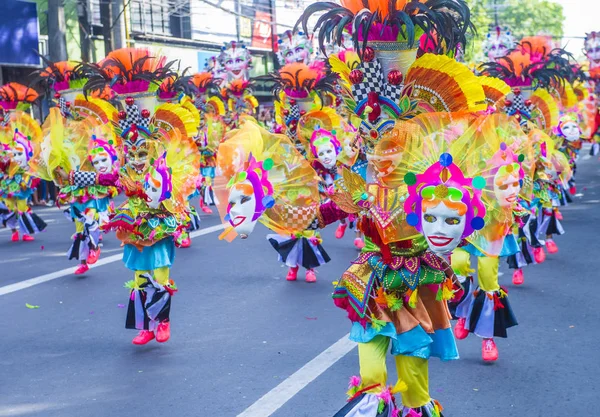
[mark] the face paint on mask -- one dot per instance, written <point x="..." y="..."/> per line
<point x="506" y="188"/>
<point x="571" y="131"/>
<point x="326" y="155"/>
<point x="102" y="163"/>
<point x="153" y="189"/>
<point x="242" y="208"/>
<point x="443" y="228"/>
<point x="138" y="159"/>
<point x="19" y="156"/>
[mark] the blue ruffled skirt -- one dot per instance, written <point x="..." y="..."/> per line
<point x="162" y="253"/>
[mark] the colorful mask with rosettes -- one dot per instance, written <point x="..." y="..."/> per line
<point x="444" y="183"/>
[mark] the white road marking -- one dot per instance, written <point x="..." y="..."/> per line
<point x="5" y="261"/>
<point x="282" y="393"/>
<point x="17" y="286"/>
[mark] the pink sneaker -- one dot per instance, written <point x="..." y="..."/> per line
<point x="489" y="351"/>
<point x="185" y="243"/>
<point x="163" y="332"/>
<point x="29" y="238"/>
<point x="551" y="246"/>
<point x="310" y="276"/>
<point x="459" y="329"/>
<point x="292" y="274"/>
<point x="539" y="255"/>
<point x="518" y="278"/>
<point x="15" y="237"/>
<point x="359" y="243"/>
<point x="206" y="210"/>
<point x="93" y="256"/>
<point x="340" y="231"/>
<point x="143" y="337"/>
<point x="81" y="269"/>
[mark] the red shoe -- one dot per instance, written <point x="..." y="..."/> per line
<point x="359" y="243"/>
<point x="93" y="256"/>
<point x="163" y="332"/>
<point x="539" y="255"/>
<point x="143" y="337"/>
<point x="292" y="274"/>
<point x="489" y="351"/>
<point x="551" y="246"/>
<point x="81" y="269"/>
<point x="27" y="238"/>
<point x="185" y="243"/>
<point x="573" y="190"/>
<point x="15" y="237"/>
<point x="310" y="276"/>
<point x="518" y="278"/>
<point x="559" y="215"/>
<point x="459" y="329"/>
<point x="206" y="210"/>
<point x="340" y="231"/>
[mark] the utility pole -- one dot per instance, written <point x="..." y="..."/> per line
<point x="238" y="11"/>
<point x="118" y="24"/>
<point x="57" y="41"/>
<point x="106" y="21"/>
<point x="85" y="29"/>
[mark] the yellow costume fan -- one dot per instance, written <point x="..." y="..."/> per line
<point x="183" y="162"/>
<point x="28" y="127"/>
<point x="546" y="111"/>
<point x="169" y="116"/>
<point x="442" y="84"/>
<point x="495" y="89"/>
<point x="273" y="175"/>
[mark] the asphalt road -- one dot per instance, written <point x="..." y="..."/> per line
<point x="239" y="331"/>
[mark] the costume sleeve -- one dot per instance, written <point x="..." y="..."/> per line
<point x="82" y="178"/>
<point x="330" y="213"/>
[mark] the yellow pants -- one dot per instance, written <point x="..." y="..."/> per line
<point x="16" y="205"/>
<point x="414" y="372"/>
<point x="487" y="269"/>
<point x="161" y="275"/>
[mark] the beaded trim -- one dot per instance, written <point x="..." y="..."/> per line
<point x="390" y="46"/>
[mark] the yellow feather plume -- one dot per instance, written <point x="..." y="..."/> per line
<point x="548" y="111"/>
<point x="169" y="116"/>
<point x="456" y="88"/>
<point x="494" y="88"/>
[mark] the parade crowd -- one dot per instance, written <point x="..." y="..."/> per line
<point x="377" y="128"/>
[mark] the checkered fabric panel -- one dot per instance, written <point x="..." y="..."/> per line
<point x="133" y="117"/>
<point x="372" y="80"/>
<point x="299" y="218"/>
<point x="62" y="105"/>
<point x="519" y="103"/>
<point x="84" y="178"/>
<point x="393" y="92"/>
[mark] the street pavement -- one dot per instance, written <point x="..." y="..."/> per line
<point x="241" y="332"/>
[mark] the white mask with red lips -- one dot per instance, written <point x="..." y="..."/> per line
<point x="443" y="228"/>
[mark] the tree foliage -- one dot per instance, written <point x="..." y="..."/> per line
<point x="524" y="18"/>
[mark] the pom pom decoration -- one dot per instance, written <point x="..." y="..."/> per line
<point x="445" y="160"/>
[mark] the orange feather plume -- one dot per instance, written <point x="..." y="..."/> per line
<point x="520" y="61"/>
<point x="381" y="6"/>
<point x="63" y="67"/>
<point x="129" y="61"/>
<point x="15" y="92"/>
<point x="537" y="46"/>
<point x="238" y="86"/>
<point x="298" y="75"/>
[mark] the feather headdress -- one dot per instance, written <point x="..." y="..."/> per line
<point x="390" y="21"/>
